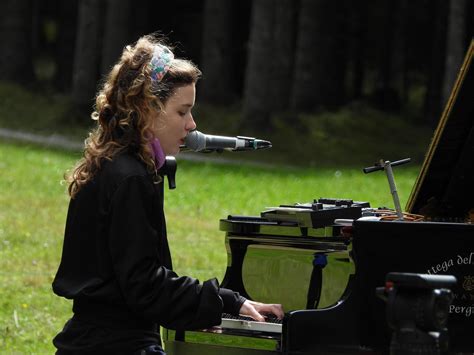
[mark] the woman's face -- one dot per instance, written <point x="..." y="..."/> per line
<point x="172" y="125"/>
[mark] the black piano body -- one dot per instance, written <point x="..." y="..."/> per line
<point x="351" y="318"/>
<point x="358" y="323"/>
<point x="273" y="261"/>
<point x="442" y="244"/>
<point x="333" y="306"/>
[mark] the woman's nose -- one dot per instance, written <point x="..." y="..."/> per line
<point x="191" y="125"/>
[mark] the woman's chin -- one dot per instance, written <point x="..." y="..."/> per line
<point x="172" y="152"/>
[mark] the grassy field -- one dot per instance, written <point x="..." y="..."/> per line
<point x="33" y="204"/>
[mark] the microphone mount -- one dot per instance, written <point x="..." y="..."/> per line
<point x="387" y="166"/>
<point x="169" y="170"/>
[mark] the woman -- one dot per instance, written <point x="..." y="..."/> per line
<point x="116" y="264"/>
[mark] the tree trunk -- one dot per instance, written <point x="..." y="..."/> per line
<point x="16" y="62"/>
<point x="455" y="46"/>
<point x="139" y="24"/>
<point x="282" y="57"/>
<point x="320" y="65"/>
<point x="358" y="41"/>
<point x="435" y="69"/>
<point x="391" y="58"/>
<point x="64" y="56"/>
<point x="36" y="30"/>
<point x="256" y="100"/>
<point x="241" y="11"/>
<point x="216" y="57"/>
<point x="116" y="32"/>
<point x="86" y="58"/>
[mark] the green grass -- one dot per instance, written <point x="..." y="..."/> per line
<point x="33" y="205"/>
<point x="32" y="214"/>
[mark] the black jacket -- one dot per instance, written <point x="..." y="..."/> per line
<point x="116" y="263"/>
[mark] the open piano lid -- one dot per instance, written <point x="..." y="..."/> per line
<point x="445" y="185"/>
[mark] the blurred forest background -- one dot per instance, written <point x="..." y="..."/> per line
<point x="328" y="81"/>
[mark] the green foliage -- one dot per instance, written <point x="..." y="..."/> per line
<point x="217" y="119"/>
<point x="44" y="113"/>
<point x="34" y="205"/>
<point x="355" y="135"/>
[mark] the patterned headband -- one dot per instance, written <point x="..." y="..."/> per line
<point x="160" y="62"/>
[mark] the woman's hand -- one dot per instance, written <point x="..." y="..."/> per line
<point x="257" y="310"/>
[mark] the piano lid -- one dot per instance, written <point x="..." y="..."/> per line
<point x="445" y="185"/>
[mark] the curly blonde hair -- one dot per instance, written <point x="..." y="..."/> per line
<point x="124" y="107"/>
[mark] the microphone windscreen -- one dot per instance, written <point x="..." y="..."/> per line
<point x="196" y="141"/>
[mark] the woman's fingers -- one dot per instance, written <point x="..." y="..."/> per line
<point x="248" y="309"/>
<point x="275" y="309"/>
<point x="256" y="315"/>
<point x="256" y="309"/>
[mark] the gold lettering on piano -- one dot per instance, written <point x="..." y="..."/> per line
<point x="467" y="260"/>
<point x="444" y="266"/>
<point x="467" y="311"/>
<point x="468" y="283"/>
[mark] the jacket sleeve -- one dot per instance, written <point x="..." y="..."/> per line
<point x="150" y="289"/>
<point x="232" y="301"/>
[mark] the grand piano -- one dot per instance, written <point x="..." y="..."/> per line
<point x="325" y="273"/>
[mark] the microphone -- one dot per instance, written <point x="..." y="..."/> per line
<point x="200" y="142"/>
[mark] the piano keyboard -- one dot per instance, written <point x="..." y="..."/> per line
<point x="242" y="323"/>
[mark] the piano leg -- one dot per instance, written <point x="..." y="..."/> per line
<point x="315" y="285"/>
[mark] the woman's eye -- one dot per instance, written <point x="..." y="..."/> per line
<point x="182" y="113"/>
